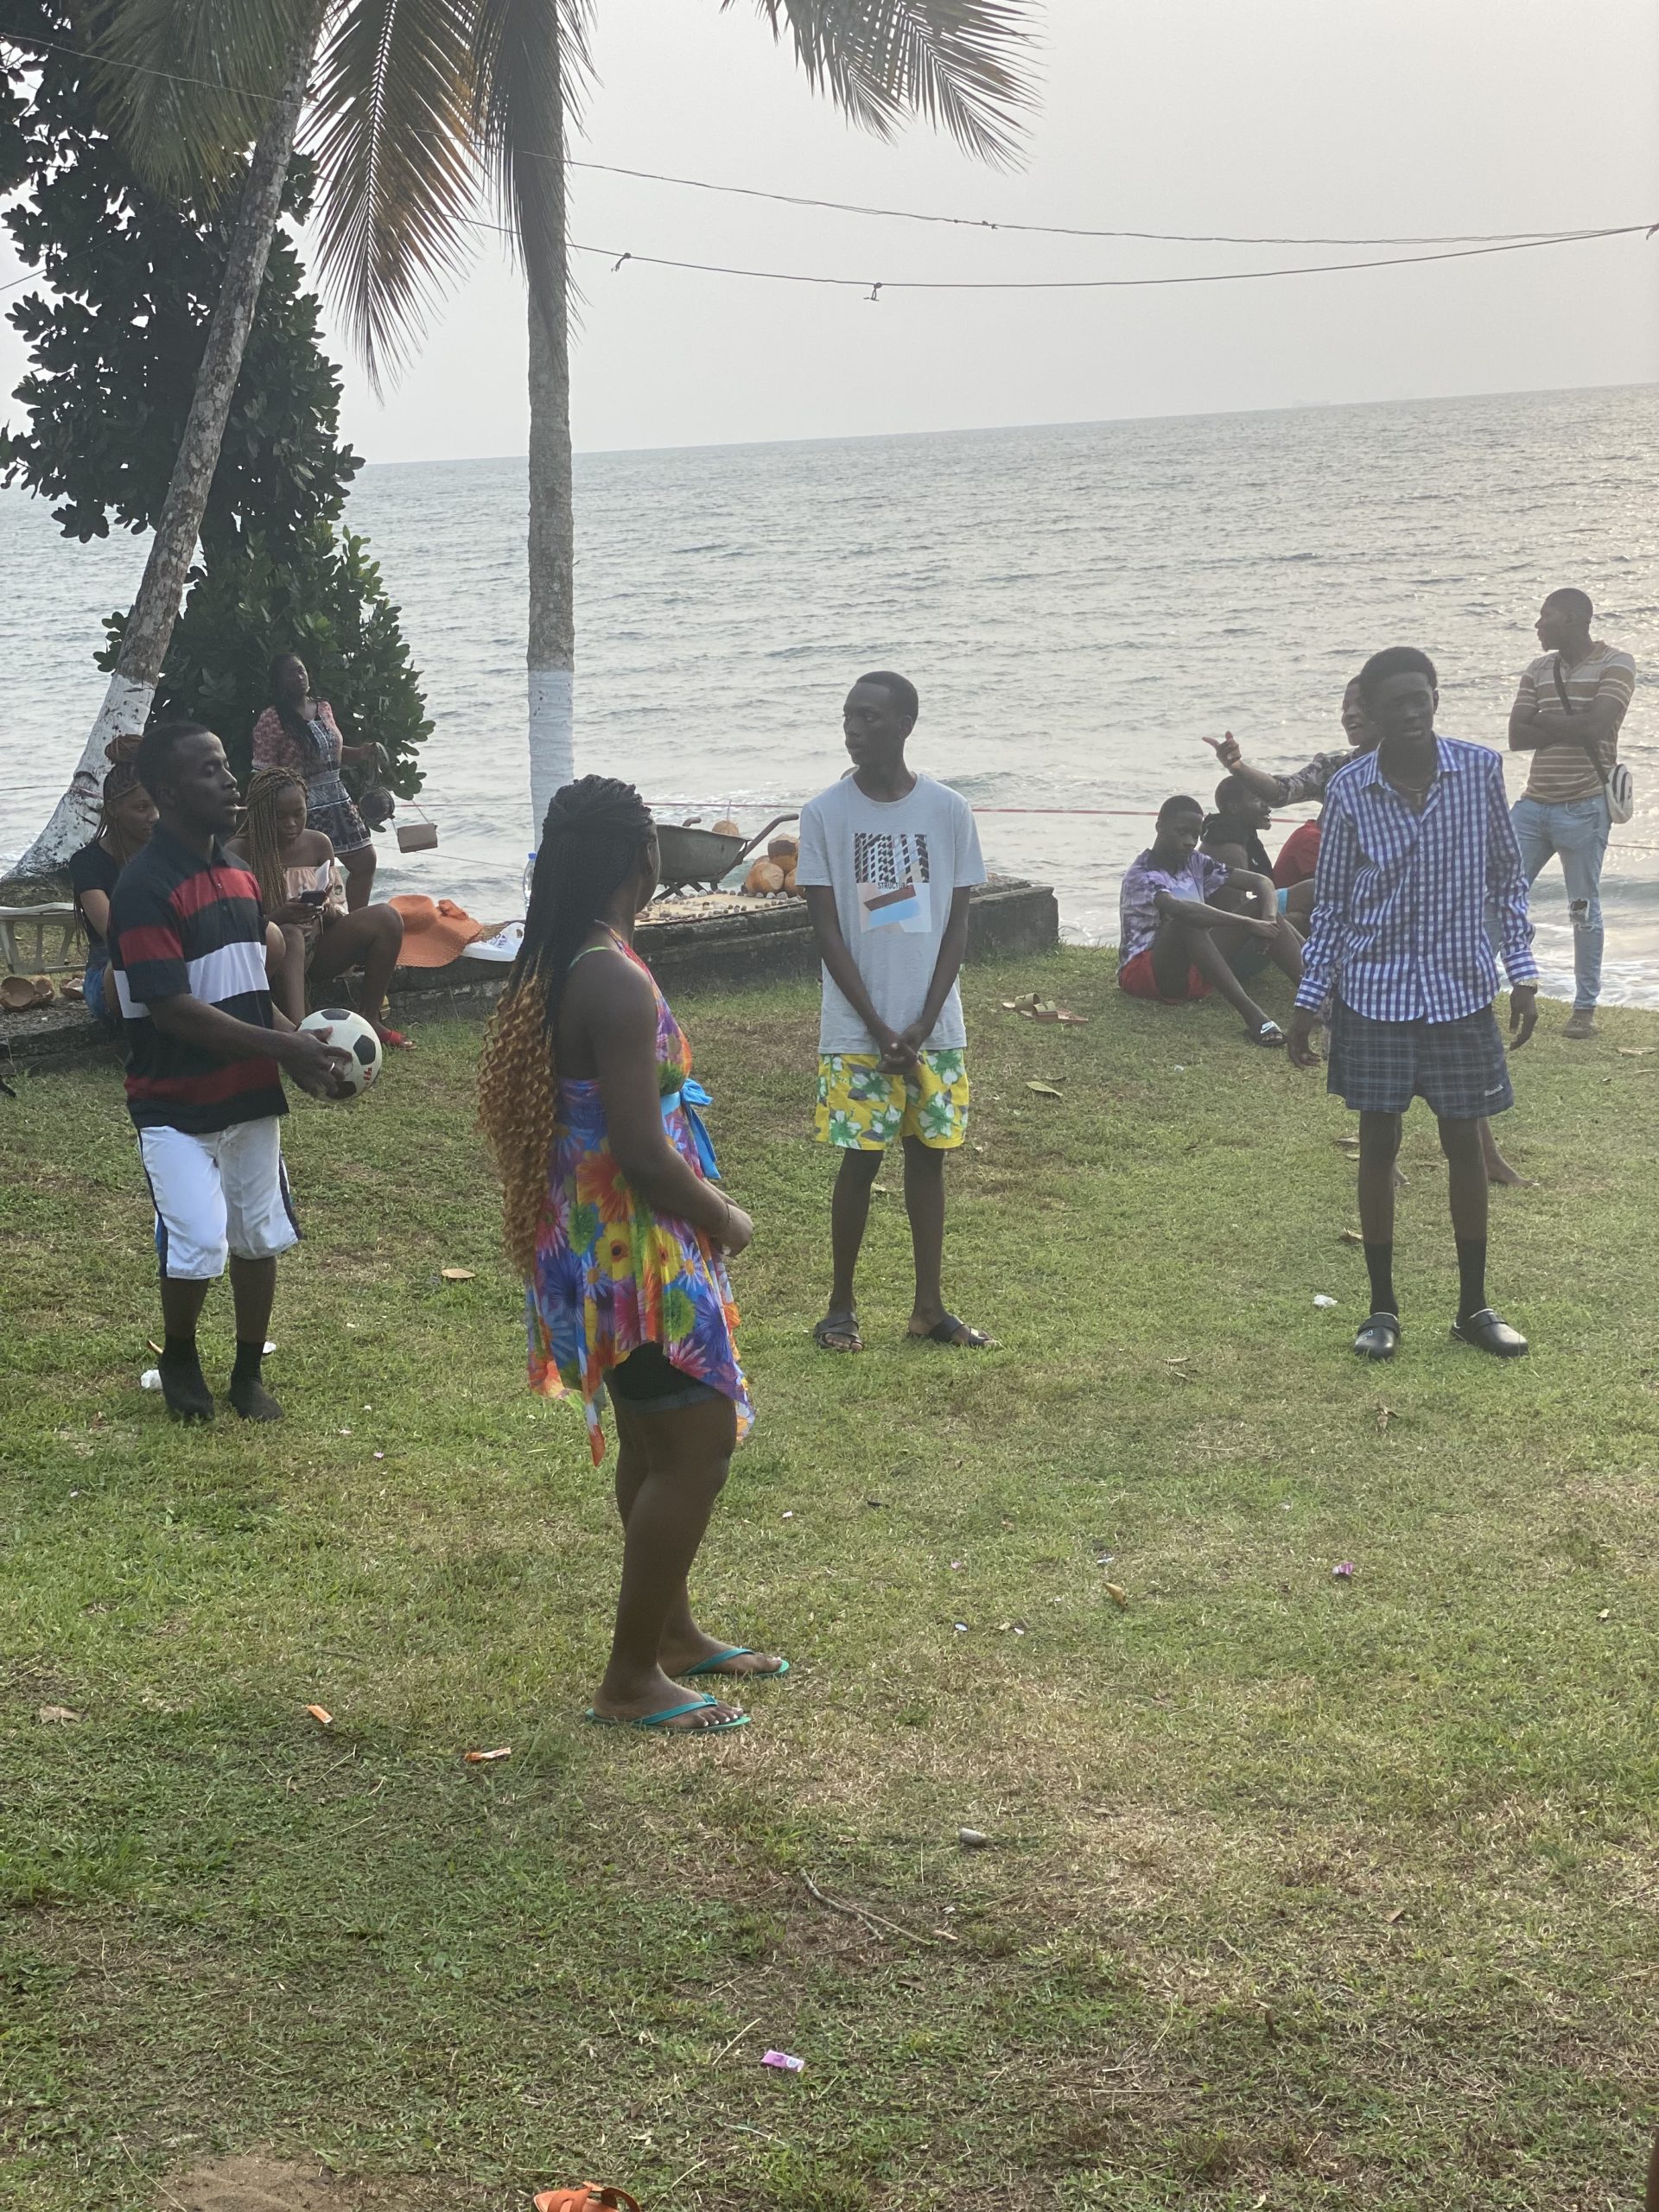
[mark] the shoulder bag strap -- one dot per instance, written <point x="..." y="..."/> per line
<point x="1592" y="750"/>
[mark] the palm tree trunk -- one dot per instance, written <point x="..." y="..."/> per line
<point x="552" y="530"/>
<point x="150" y="626"/>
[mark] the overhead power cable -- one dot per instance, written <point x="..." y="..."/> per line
<point x="874" y="288"/>
<point x="1494" y="239"/>
<point x="1050" y="230"/>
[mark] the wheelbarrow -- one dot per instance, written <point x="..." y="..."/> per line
<point x="704" y="857"/>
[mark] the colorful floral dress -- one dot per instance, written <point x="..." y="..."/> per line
<point x="610" y="1274"/>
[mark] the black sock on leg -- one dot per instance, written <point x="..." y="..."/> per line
<point x="1379" y="1263"/>
<point x="247" y="1393"/>
<point x="1471" y="1276"/>
<point x="184" y="1386"/>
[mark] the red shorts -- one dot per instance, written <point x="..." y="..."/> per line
<point x="1136" y="977"/>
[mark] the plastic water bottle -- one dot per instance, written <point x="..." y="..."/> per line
<point x="528" y="876"/>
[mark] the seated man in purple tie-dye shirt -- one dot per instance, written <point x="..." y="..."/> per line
<point x="1184" y="919"/>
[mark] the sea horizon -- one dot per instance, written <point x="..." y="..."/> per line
<point x="1080" y="604"/>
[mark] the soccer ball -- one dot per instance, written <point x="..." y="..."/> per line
<point x="338" y="1025"/>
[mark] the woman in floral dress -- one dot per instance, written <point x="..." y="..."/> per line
<point x="621" y="1237"/>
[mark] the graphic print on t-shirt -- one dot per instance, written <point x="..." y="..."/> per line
<point x="890" y="874"/>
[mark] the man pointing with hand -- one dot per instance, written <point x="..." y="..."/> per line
<point x="1417" y="843"/>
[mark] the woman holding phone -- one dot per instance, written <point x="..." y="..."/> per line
<point x="612" y="1218"/>
<point x="301" y="891"/>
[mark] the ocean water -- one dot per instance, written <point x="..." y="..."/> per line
<point x="1078" y="606"/>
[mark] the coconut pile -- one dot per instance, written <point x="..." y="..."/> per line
<point x="773" y="877"/>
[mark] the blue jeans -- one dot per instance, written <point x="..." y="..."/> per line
<point x="1578" y="829"/>
<point x="101" y="1003"/>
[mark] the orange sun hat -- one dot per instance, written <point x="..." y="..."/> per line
<point x="436" y="930"/>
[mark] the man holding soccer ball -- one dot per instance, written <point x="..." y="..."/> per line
<point x="204" y="1052"/>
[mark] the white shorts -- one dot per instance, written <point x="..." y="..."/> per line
<point x="218" y="1195"/>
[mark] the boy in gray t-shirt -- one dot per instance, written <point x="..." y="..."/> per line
<point x="888" y="861"/>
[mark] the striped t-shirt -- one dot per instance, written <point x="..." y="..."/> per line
<point x="1561" y="772"/>
<point x="182" y="926"/>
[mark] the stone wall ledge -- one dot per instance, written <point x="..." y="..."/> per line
<point x="710" y="952"/>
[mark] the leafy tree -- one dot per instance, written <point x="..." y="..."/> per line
<point x="115" y="356"/>
<point x="414" y="105"/>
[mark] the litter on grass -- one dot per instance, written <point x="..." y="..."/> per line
<point x="320" y="1714"/>
<point x="1322" y="1301"/>
<point x="784" y="2061"/>
<point x="1343" y="1570"/>
<point x="150" y="1379"/>
<point x="483" y="1759"/>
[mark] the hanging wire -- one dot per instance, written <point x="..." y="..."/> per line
<point x="1047" y="230"/>
<point x="871" y="289"/>
<point x="1471" y="240"/>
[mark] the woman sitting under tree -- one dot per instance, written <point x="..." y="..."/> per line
<point x="299" y="733"/>
<point x="299" y="888"/>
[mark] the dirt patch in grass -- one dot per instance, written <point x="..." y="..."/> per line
<point x="261" y="2185"/>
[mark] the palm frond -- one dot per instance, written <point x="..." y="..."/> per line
<point x="392" y="136"/>
<point x="531" y="66"/>
<point x="190" y="82"/>
<point x="960" y="65"/>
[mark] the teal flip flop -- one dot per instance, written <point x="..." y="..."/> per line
<point x="717" y="1660"/>
<point x="672" y="1712"/>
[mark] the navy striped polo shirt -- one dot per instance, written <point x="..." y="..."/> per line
<point x="180" y="925"/>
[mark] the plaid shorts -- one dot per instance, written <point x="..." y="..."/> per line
<point x="1459" y="1068"/>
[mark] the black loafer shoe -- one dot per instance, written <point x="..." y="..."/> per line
<point x="1488" y="1330"/>
<point x="1378" y="1337"/>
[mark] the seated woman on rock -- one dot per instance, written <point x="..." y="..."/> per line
<point x="301" y="891"/>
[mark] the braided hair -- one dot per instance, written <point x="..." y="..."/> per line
<point x="121" y="778"/>
<point x="591" y="840"/>
<point x="265" y="787"/>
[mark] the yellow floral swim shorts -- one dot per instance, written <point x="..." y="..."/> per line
<point x="862" y="1109"/>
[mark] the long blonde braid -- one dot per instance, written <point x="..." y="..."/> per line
<point x="518" y="1106"/>
<point x="265" y="787"/>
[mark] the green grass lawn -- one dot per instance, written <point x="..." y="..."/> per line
<point x="1301" y="1892"/>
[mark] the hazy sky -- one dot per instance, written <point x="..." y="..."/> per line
<point x="1335" y="116"/>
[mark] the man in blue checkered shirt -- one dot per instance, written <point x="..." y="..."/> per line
<point x="1417" y="844"/>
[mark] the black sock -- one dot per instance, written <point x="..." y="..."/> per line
<point x="1379" y="1261"/>
<point x="180" y="1351"/>
<point x="1471" y="1276"/>
<point x="248" y="1356"/>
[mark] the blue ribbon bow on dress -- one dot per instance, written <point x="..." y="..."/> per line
<point x="689" y="1095"/>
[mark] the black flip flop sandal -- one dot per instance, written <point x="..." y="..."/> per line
<point x="1378" y="1337"/>
<point x="842" y="1326"/>
<point x="950" y="1331"/>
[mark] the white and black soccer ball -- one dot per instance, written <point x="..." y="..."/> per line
<point x="338" y="1025"/>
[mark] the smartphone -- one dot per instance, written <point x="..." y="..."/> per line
<point x="311" y="898"/>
